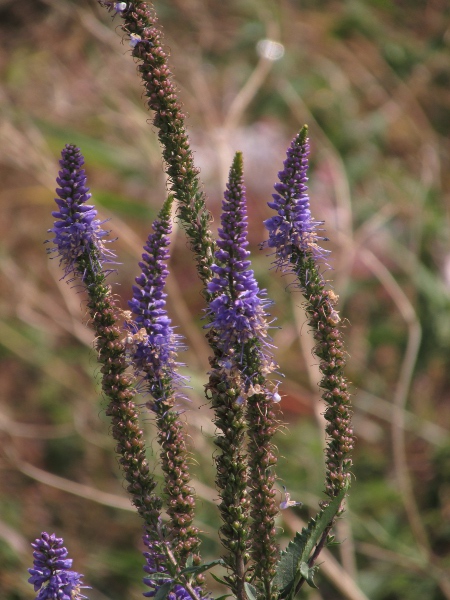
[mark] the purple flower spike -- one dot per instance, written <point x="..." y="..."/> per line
<point x="50" y="574"/>
<point x="156" y="344"/>
<point x="237" y="311"/>
<point x="77" y="232"/>
<point x="293" y="228"/>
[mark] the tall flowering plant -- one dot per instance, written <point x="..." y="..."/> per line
<point x="138" y="353"/>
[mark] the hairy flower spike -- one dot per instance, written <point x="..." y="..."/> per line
<point x="83" y="257"/>
<point x="77" y="231"/>
<point x="51" y="574"/>
<point x="293" y="227"/>
<point x="154" y="357"/>
<point x="241" y="400"/>
<point x="155" y="352"/>
<point x="237" y="312"/>
<point x="293" y="235"/>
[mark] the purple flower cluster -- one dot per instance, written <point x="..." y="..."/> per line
<point x="293" y="228"/>
<point x="50" y="574"/>
<point x="77" y="232"/>
<point x="237" y="310"/>
<point x="156" y="343"/>
<point x="156" y="568"/>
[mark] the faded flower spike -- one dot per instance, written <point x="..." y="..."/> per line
<point x="237" y="311"/>
<point x="293" y="226"/>
<point x="51" y="574"/>
<point x="77" y="231"/>
<point x="140" y="25"/>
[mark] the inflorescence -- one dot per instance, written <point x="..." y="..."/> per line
<point x="293" y="227"/>
<point x="51" y="575"/>
<point x="154" y="342"/>
<point x="237" y="311"/>
<point x="244" y="399"/>
<point x="76" y="229"/>
<point x="293" y="236"/>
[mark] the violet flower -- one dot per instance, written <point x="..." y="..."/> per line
<point x="242" y="400"/>
<point x="293" y="227"/>
<point x="156" y="344"/>
<point x="51" y="575"/>
<point x="294" y="234"/>
<point x="78" y="240"/>
<point x="154" y="351"/>
<point x="237" y="311"/>
<point x="77" y="231"/>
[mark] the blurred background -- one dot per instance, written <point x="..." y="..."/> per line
<point x="371" y="78"/>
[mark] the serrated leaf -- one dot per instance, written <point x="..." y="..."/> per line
<point x="163" y="591"/>
<point x="201" y="568"/>
<point x="251" y="591"/>
<point x="301" y="547"/>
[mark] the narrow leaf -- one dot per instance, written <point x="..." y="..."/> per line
<point x="251" y="591"/>
<point x="219" y="580"/>
<point x="190" y="561"/>
<point x="159" y="576"/>
<point x="201" y="568"/>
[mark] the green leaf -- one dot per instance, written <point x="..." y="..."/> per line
<point x="251" y="591"/>
<point x="159" y="576"/>
<point x="300" y="549"/>
<point x="308" y="574"/>
<point x="163" y="591"/>
<point x="219" y="580"/>
<point x="201" y="568"/>
<point x="190" y="561"/>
